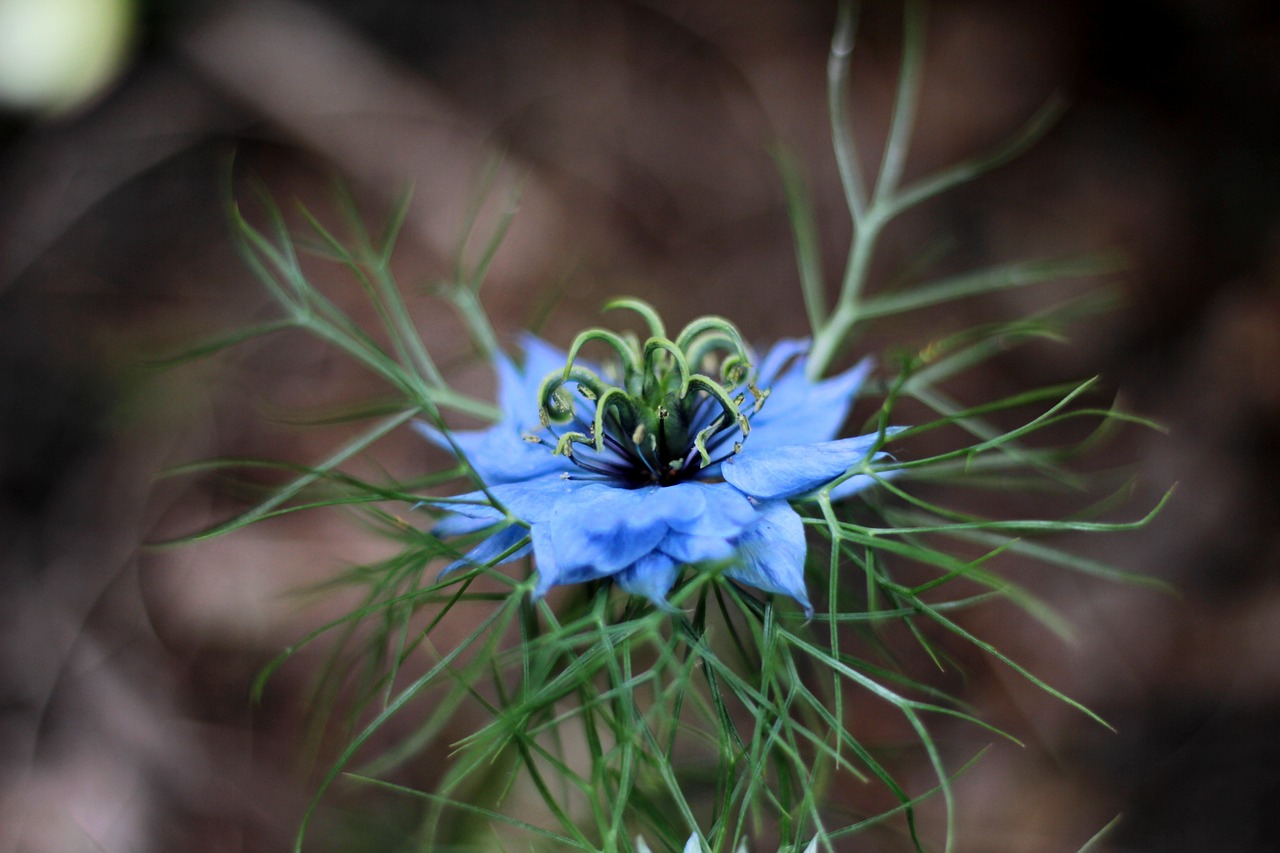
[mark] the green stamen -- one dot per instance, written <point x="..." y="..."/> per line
<point x="646" y="417"/>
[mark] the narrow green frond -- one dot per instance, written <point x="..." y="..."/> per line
<point x="1018" y="274"/>
<point x="217" y="345"/>
<point x="566" y="842"/>
<point x="997" y="654"/>
<point x="905" y="101"/>
<point x="265" y="507"/>
<point x="804" y="230"/>
<point x="1100" y="835"/>
<point x="1026" y="137"/>
<point x="837" y="108"/>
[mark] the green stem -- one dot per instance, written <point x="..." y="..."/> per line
<point x="904" y="103"/>
<point x="837" y="95"/>
<point x="836" y="331"/>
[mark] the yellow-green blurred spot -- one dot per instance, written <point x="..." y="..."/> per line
<point x="57" y="54"/>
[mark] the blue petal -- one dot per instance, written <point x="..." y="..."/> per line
<point x="696" y="549"/>
<point x="772" y="553"/>
<point x="540" y="358"/>
<point x="550" y="572"/>
<point x="651" y="576"/>
<point x="513" y="393"/>
<point x="530" y="501"/>
<point x="500" y="454"/>
<point x="783" y="351"/>
<point x="799" y="411"/>
<point x="609" y="527"/>
<point x="537" y="500"/>
<point x="544" y="557"/>
<point x="518" y="387"/>
<point x="711" y="509"/>
<point x="489" y="550"/>
<point x="785" y="472"/>
<point x="461" y="525"/>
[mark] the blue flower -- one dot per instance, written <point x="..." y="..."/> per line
<point x="637" y="473"/>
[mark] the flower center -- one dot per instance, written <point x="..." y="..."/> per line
<point x="664" y="419"/>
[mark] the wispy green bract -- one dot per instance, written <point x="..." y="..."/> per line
<point x="696" y="713"/>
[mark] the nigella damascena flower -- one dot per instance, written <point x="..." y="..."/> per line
<point x="639" y="470"/>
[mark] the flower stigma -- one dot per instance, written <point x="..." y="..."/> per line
<point x="665" y="420"/>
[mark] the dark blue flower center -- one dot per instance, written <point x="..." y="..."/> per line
<point x="664" y="420"/>
<point x="682" y="439"/>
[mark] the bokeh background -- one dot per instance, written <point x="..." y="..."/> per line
<point x="641" y="134"/>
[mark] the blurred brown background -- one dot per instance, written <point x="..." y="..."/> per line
<point x="641" y="132"/>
